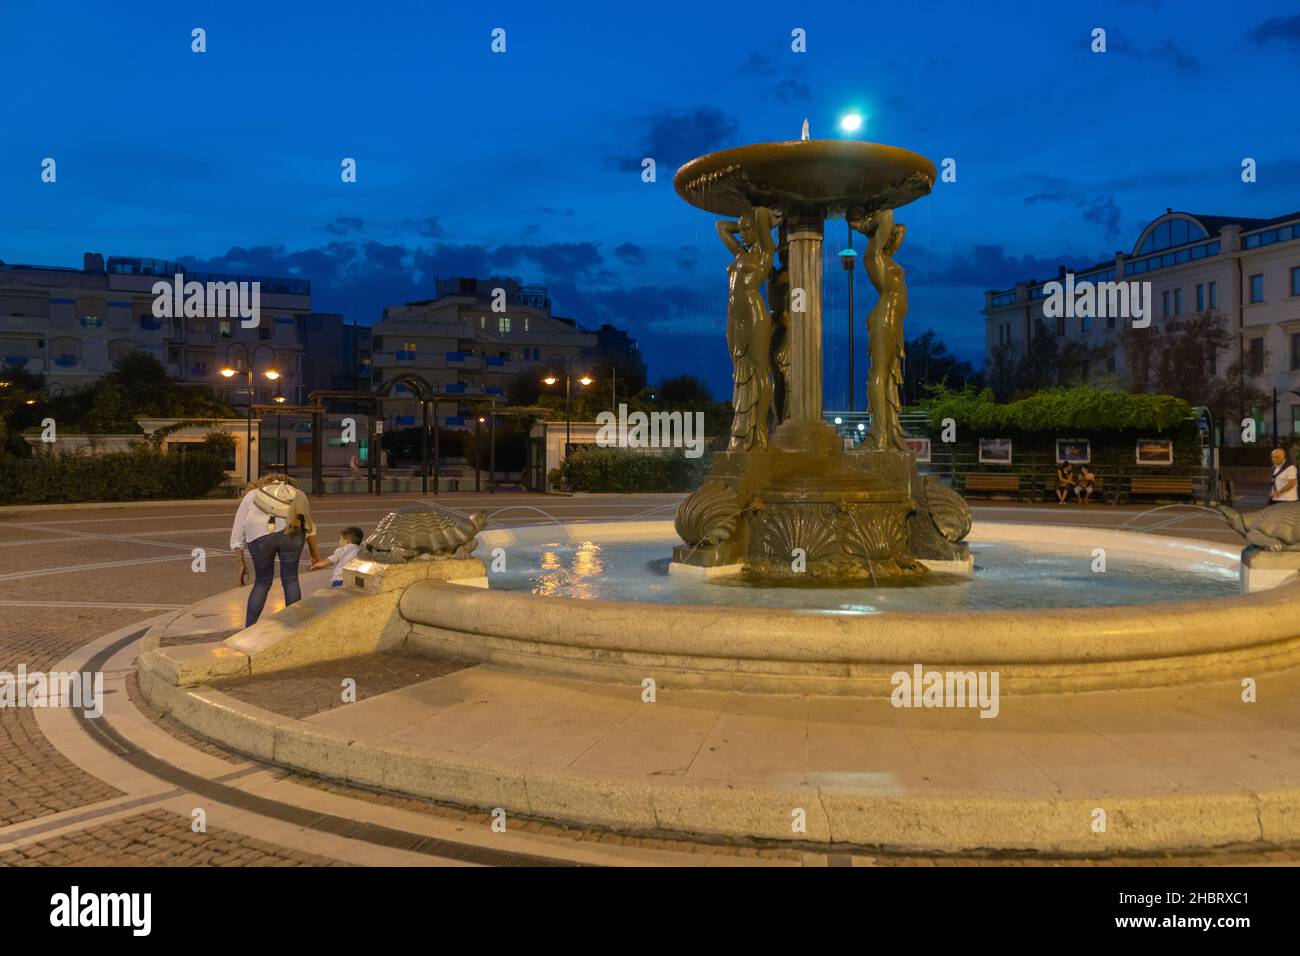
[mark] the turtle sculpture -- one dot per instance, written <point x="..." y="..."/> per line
<point x="1275" y="528"/>
<point x="423" y="533"/>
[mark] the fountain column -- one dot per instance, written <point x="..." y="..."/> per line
<point x="804" y="429"/>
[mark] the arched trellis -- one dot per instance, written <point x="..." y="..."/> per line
<point x="426" y="393"/>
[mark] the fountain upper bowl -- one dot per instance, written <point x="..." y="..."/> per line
<point x="826" y="176"/>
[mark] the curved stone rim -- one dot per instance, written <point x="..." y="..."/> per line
<point x="790" y="651"/>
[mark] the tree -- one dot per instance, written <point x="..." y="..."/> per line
<point x="928" y="363"/>
<point x="1185" y="357"/>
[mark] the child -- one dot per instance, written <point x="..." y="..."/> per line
<point x="349" y="545"/>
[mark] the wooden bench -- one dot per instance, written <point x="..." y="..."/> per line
<point x="1162" y="486"/>
<point x="993" y="482"/>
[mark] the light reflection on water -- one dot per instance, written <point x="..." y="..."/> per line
<point x="1007" y="577"/>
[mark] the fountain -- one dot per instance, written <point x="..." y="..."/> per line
<point x="786" y="500"/>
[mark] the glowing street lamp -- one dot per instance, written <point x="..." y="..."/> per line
<point x="851" y="122"/>
<point x="550" y="379"/>
<point x="229" y="371"/>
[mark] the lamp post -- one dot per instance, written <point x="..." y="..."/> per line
<point x="849" y="260"/>
<point x="229" y="371"/>
<point x="279" y="399"/>
<point x="568" y="394"/>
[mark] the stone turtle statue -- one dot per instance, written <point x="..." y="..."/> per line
<point x="425" y="532"/>
<point x="1275" y="528"/>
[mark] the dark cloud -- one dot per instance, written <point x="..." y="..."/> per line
<point x="1101" y="210"/>
<point x="985" y="267"/>
<point x="342" y="225"/>
<point x="1283" y="30"/>
<point x="672" y="137"/>
<point x="782" y="80"/>
<point x="631" y="253"/>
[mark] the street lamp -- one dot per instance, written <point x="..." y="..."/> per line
<point x="851" y="122"/>
<point x="229" y="371"/>
<point x="551" y="379"/>
<point x="849" y="260"/>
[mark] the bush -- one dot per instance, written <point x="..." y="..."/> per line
<point x="141" y="473"/>
<point x="1058" y="409"/>
<point x="592" y="468"/>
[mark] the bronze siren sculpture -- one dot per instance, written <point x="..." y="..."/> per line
<point x="885" y="340"/>
<point x="749" y="326"/>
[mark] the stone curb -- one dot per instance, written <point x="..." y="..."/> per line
<point x="843" y="816"/>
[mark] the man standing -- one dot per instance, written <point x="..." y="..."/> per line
<point x="1283" y="480"/>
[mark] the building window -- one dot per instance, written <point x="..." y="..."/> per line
<point x="226" y="328"/>
<point x="1214" y="295"/>
<point x="1255" y="356"/>
<point x="1257" y="288"/>
<point x="264" y="333"/>
<point x="503" y="323"/>
<point x="1295" y="280"/>
<point x="199" y="326"/>
<point x="1295" y="351"/>
<point x="1164" y="304"/>
<point x="1200" y="297"/>
<point x="1178" y="302"/>
<point x="526" y="320"/>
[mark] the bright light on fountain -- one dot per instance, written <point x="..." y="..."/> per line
<point x="851" y="122"/>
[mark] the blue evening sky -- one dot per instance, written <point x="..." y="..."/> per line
<point x="527" y="164"/>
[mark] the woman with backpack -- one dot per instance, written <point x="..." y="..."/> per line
<point x="274" y="518"/>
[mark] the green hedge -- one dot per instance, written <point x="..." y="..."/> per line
<point x="592" y="468"/>
<point x="1061" y="410"/>
<point x="141" y="473"/>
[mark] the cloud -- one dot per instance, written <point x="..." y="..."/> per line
<point x="1101" y="210"/>
<point x="672" y="137"/>
<point x="631" y="253"/>
<point x="1284" y="30"/>
<point x="985" y="267"/>
<point x="342" y="225"/>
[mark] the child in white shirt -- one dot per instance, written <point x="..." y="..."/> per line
<point x="349" y="545"/>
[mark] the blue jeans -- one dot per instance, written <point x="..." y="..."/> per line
<point x="262" y="551"/>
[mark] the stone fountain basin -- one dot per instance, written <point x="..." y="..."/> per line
<point x="830" y="176"/>
<point x="768" y="650"/>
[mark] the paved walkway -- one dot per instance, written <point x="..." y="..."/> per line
<point x="79" y="581"/>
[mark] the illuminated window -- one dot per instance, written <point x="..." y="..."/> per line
<point x="503" y="323"/>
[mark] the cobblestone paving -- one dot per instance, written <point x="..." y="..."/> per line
<point x="157" y="838"/>
<point x="304" y="691"/>
<point x="35" y="779"/>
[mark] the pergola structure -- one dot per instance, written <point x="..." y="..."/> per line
<point x="426" y="393"/>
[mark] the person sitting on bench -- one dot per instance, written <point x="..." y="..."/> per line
<point x="1087" y="482"/>
<point x="1064" y="480"/>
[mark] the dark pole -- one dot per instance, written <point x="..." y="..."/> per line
<point x="248" y="449"/>
<point x="317" y="426"/>
<point x="370" y="450"/>
<point x="424" y="444"/>
<point x="377" y="423"/>
<point x="436" y="453"/>
<point x="850" y="265"/>
<point x="285" y="463"/>
<point x="1276" y="438"/>
<point x="568" y="420"/>
<point x="492" y="451"/>
<point x="477" y="432"/>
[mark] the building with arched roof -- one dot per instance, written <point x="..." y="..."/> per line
<point x="1245" y="269"/>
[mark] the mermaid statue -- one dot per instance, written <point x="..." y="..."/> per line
<point x="885" y="328"/>
<point x="749" y="326"/>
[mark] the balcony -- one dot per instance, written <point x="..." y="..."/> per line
<point x="65" y="361"/>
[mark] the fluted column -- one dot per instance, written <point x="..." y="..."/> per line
<point x="806" y="322"/>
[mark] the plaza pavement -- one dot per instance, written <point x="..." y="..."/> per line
<point x="79" y="580"/>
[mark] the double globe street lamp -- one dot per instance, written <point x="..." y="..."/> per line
<point x="583" y="379"/>
<point x="230" y="371"/>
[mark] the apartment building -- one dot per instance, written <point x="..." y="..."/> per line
<point x="1246" y="269"/>
<point x="459" y="344"/>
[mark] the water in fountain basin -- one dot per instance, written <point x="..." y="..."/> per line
<point x="1007" y="577"/>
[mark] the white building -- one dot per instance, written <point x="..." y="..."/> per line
<point x="1248" y="270"/>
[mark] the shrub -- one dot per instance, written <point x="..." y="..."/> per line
<point x="592" y="468"/>
<point x="1058" y="409"/>
<point x="141" y="473"/>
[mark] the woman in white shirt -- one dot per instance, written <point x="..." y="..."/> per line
<point x="274" y="518"/>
